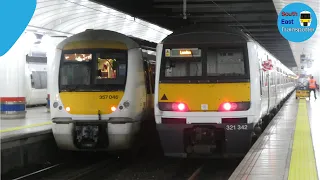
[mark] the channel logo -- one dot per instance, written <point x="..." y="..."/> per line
<point x="297" y="22"/>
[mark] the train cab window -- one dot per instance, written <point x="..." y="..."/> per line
<point x="183" y="68"/>
<point x="75" y="69"/>
<point x="225" y="62"/>
<point x="75" y="74"/>
<point x="93" y="70"/>
<point x="183" y="63"/>
<point x="111" y="65"/>
<point x="107" y="68"/>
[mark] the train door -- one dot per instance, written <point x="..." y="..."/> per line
<point x="268" y="78"/>
<point x="268" y="89"/>
<point x="147" y="82"/>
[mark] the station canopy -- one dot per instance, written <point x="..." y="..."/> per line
<point x="68" y="17"/>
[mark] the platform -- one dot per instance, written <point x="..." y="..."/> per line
<point x="37" y="121"/>
<point x="289" y="146"/>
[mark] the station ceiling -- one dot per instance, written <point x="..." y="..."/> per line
<point x="64" y="18"/>
<point x="256" y="17"/>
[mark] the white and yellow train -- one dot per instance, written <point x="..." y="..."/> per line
<point x="102" y="88"/>
<point x="214" y="86"/>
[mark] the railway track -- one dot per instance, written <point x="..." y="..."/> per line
<point x="77" y="168"/>
<point x="145" y="168"/>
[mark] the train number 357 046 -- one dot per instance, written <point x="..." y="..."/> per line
<point x="236" y="127"/>
<point x="108" y="97"/>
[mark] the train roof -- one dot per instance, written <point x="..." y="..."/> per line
<point x="100" y="35"/>
<point x="207" y="33"/>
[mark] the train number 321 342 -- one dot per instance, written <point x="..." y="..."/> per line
<point x="236" y="127"/>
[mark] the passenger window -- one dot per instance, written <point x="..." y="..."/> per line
<point x="39" y="79"/>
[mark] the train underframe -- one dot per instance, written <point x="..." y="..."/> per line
<point x="96" y="135"/>
<point x="196" y="140"/>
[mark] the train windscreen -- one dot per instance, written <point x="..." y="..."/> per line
<point x="204" y="64"/>
<point x="305" y="16"/>
<point x="95" y="70"/>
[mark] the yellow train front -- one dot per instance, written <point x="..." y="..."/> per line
<point x="101" y="91"/>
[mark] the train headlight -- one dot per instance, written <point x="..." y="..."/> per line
<point x="113" y="108"/>
<point x="68" y="109"/>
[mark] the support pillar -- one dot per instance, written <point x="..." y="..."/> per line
<point x="12" y="81"/>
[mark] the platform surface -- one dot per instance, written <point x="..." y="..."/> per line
<point x="37" y="121"/>
<point x="289" y="146"/>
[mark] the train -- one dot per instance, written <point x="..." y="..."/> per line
<point x="305" y="18"/>
<point x="36" y="80"/>
<point x="215" y="90"/>
<point x="102" y="90"/>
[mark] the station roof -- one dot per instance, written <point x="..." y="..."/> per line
<point x="256" y="17"/>
<point x="153" y="20"/>
<point x="67" y="17"/>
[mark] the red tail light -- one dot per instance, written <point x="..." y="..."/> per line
<point x="234" y="106"/>
<point x="173" y="106"/>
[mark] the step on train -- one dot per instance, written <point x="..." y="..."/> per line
<point x="102" y="89"/>
<point x="214" y="88"/>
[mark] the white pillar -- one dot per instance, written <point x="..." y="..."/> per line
<point x="12" y="80"/>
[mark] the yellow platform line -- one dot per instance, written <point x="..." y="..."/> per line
<point x="25" y="127"/>
<point x="303" y="163"/>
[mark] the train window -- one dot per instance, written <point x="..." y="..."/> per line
<point x="225" y="62"/>
<point x="305" y="16"/>
<point x="110" y="65"/>
<point x="271" y="78"/>
<point x="39" y="79"/>
<point x="107" y="68"/>
<point x="182" y="67"/>
<point x="75" y="74"/>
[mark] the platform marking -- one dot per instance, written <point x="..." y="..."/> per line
<point x="303" y="163"/>
<point x="25" y="127"/>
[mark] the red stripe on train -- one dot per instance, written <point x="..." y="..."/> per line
<point x="11" y="99"/>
